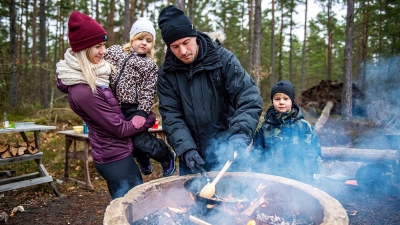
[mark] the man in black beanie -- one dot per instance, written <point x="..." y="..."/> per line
<point x="210" y="106"/>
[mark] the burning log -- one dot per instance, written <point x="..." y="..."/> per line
<point x="253" y="206"/>
<point x="257" y="202"/>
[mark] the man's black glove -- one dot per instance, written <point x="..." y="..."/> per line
<point x="237" y="143"/>
<point x="191" y="157"/>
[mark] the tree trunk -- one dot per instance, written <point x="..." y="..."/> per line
<point x="180" y="4"/>
<point x="280" y="59"/>
<point x="348" y="62"/>
<point x="303" y="54"/>
<point x="26" y="56"/>
<point x="13" y="94"/>
<point x="132" y="11"/>
<point x="127" y="21"/>
<point x="257" y="43"/>
<point x="291" y="41"/>
<point x="191" y="4"/>
<point x="330" y="41"/>
<point x="43" y="56"/>
<point x="272" y="53"/>
<point x="250" y="58"/>
<point x="110" y="24"/>
<point x="34" y="74"/>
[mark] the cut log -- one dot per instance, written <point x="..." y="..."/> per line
<point x="6" y="154"/>
<point x="324" y="116"/>
<point x="356" y="154"/>
<point x="32" y="144"/>
<point x="32" y="150"/>
<point x="4" y="147"/>
<point x="23" y="144"/>
<point x="21" y="150"/>
<point x="13" y="151"/>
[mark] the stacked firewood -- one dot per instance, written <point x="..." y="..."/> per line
<point x="13" y="150"/>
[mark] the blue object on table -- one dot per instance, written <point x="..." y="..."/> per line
<point x="85" y="129"/>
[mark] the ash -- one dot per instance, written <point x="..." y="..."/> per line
<point x="217" y="216"/>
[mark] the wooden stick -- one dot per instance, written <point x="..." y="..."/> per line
<point x="198" y="221"/>
<point x="223" y="170"/>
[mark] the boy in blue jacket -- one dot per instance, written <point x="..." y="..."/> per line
<point x="286" y="144"/>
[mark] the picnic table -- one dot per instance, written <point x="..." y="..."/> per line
<point x="26" y="180"/>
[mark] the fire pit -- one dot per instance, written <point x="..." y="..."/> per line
<point x="284" y="197"/>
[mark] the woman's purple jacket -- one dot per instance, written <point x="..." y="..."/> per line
<point x="109" y="133"/>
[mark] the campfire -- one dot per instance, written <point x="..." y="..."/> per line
<point x="264" y="199"/>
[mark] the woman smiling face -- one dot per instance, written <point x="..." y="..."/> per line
<point x="96" y="52"/>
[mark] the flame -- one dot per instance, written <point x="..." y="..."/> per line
<point x="251" y="222"/>
<point x="192" y="196"/>
<point x="261" y="187"/>
<point x="229" y="197"/>
<point x="240" y="205"/>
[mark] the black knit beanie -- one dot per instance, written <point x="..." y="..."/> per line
<point x="174" y="25"/>
<point x="284" y="87"/>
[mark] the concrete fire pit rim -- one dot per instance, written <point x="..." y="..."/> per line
<point x="335" y="214"/>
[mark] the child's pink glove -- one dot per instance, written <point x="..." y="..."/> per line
<point x="138" y="121"/>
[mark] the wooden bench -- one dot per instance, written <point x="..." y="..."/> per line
<point x="26" y="180"/>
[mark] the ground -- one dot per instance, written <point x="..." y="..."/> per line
<point x="80" y="206"/>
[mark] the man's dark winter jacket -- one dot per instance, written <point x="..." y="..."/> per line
<point x="203" y="104"/>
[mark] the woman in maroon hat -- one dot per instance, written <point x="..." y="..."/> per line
<point x="84" y="75"/>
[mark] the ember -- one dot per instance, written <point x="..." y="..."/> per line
<point x="193" y="215"/>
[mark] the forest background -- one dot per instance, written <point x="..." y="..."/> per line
<point x="264" y="35"/>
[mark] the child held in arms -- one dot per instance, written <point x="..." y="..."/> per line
<point x="134" y="87"/>
<point x="286" y="144"/>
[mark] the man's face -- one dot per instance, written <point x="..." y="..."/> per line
<point x="185" y="49"/>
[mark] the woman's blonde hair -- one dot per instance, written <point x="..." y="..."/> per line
<point x="87" y="70"/>
<point x="127" y="47"/>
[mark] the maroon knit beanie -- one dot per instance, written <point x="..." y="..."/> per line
<point x="84" y="32"/>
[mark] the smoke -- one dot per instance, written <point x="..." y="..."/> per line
<point x="379" y="82"/>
